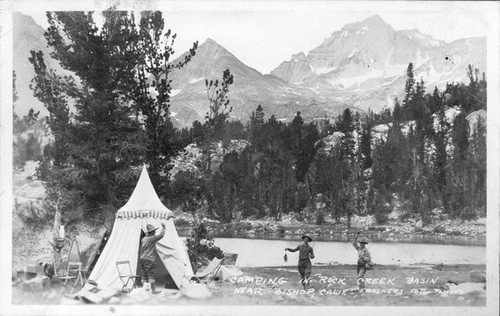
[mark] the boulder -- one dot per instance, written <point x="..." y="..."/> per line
<point x="36" y="285"/>
<point x="31" y="269"/>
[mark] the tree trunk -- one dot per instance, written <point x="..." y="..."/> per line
<point x="57" y="223"/>
<point x="109" y="217"/>
<point x="57" y="251"/>
<point x="55" y="245"/>
<point x="195" y="220"/>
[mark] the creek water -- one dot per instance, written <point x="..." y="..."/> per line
<point x="264" y="252"/>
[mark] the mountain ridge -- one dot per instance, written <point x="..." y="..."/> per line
<point x="361" y="66"/>
<point x="369" y="59"/>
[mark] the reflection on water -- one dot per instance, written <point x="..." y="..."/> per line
<point x="265" y="252"/>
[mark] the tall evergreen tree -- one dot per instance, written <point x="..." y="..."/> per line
<point x="409" y="91"/>
<point x="95" y="149"/>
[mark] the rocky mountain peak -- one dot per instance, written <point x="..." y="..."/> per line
<point x="298" y="57"/>
<point x="374" y="22"/>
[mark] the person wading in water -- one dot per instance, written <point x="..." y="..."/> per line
<point x="364" y="261"/>
<point x="305" y="255"/>
<point x="148" y="255"/>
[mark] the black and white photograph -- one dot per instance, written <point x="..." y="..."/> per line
<point x="249" y="157"/>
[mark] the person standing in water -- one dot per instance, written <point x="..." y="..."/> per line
<point x="305" y="255"/>
<point x="364" y="261"/>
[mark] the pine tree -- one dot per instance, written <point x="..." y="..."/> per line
<point x="256" y="127"/>
<point x="397" y="113"/>
<point x="104" y="138"/>
<point x="365" y="147"/>
<point x="409" y="91"/>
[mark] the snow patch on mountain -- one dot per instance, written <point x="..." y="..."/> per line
<point x="323" y="70"/>
<point x="196" y="80"/>
<point x="348" y="82"/>
<point x="175" y="92"/>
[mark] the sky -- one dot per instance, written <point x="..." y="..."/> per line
<point x="262" y="34"/>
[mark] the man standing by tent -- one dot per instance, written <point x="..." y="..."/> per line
<point x="148" y="256"/>
<point x="306" y="253"/>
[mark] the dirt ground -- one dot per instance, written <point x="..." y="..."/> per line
<point x="330" y="285"/>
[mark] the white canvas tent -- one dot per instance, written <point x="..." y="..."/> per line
<point x="143" y="207"/>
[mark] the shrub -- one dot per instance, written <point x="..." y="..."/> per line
<point x="281" y="230"/>
<point x="439" y="229"/>
<point x="320" y="218"/>
<point x="467" y="214"/>
<point x="181" y="222"/>
<point x="381" y="217"/>
<point x="380" y="210"/>
<point x="201" y="247"/>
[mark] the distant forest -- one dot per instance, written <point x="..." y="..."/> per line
<point x="414" y="157"/>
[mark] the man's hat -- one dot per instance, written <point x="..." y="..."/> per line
<point x="363" y="241"/>
<point x="305" y="236"/>
<point x="150" y="228"/>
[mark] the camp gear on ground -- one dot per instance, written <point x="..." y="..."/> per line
<point x="143" y="207"/>
<point x="48" y="269"/>
<point x="153" y="288"/>
<point x="126" y="276"/>
<point x="210" y="272"/>
<point x="305" y="236"/>
<point x="74" y="267"/>
<point x="77" y="268"/>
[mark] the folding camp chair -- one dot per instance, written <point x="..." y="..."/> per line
<point x="125" y="274"/>
<point x="76" y="266"/>
<point x="210" y="272"/>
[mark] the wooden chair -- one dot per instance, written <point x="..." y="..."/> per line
<point x="75" y="266"/>
<point x="126" y="275"/>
